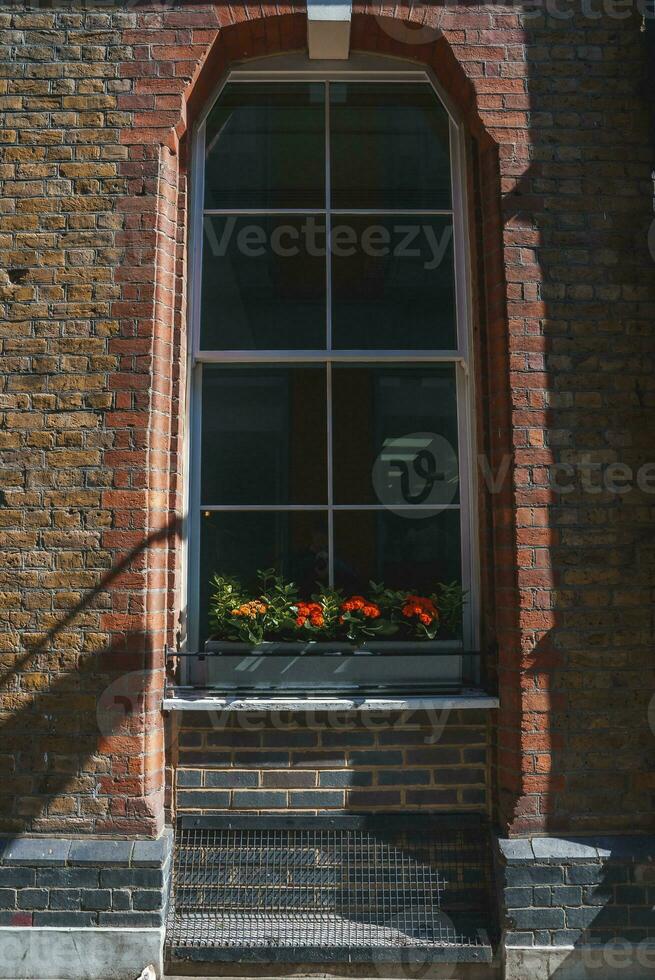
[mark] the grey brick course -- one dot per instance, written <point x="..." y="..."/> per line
<point x="47" y="892"/>
<point x="96" y="899"/>
<point x="19" y="877"/>
<point x="539" y="874"/>
<point x="130" y="920"/>
<point x="7" y="898"/>
<point x="566" y="895"/>
<point x="65" y="900"/>
<point x="33" y="898"/>
<point x="307" y="798"/>
<point x="232" y="778"/>
<point x="125" y="877"/>
<point x="576" y="891"/>
<point x="121" y="900"/>
<point x="146" y="901"/>
<point x="74" y="920"/>
<point x="539" y="918"/>
<point x="67" y="877"/>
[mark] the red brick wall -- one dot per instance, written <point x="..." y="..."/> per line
<point x="94" y="106"/>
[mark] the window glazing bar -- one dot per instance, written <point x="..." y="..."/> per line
<point x="327" y="356"/>
<point x="265" y="508"/>
<point x="379" y="212"/>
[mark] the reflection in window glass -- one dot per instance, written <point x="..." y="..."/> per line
<point x="239" y="543"/>
<point x="395" y="434"/>
<point x="403" y="550"/>
<point x="264" y="434"/>
<point x="265" y="147"/>
<point x="393" y="283"/>
<point x="263" y="283"/>
<point x="390" y="147"/>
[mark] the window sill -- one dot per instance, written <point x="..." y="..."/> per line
<point x="468" y="698"/>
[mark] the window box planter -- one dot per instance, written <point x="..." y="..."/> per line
<point x="311" y="668"/>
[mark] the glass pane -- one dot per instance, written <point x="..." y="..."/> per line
<point x="263" y="283"/>
<point x="402" y="549"/>
<point x="389" y="147"/>
<point x="395" y="435"/>
<point x="264" y="435"/>
<point x="238" y="543"/>
<point x="393" y="283"/>
<point x="265" y="147"/>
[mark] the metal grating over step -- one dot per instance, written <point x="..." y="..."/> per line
<point x="351" y="888"/>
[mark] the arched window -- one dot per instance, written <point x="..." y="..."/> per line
<point x="331" y="419"/>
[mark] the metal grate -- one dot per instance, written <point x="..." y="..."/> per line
<point x="321" y="888"/>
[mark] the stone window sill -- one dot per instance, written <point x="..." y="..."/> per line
<point x="184" y="700"/>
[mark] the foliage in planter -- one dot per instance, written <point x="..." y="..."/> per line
<point x="426" y="616"/>
<point x="277" y="612"/>
<point x="235" y="615"/>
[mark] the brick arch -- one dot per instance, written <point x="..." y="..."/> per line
<point x="282" y="33"/>
<point x="456" y="68"/>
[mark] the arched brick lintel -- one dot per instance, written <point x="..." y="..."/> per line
<point x="282" y="33"/>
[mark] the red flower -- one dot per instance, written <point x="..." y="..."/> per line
<point x="421" y="607"/>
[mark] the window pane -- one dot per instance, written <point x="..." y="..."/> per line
<point x="389" y="147"/>
<point x="393" y="283"/>
<point x="265" y="147"/>
<point x="238" y="543"/>
<point x="395" y="435"/>
<point x="263" y="283"/>
<point x="403" y="550"/>
<point x="264" y="435"/>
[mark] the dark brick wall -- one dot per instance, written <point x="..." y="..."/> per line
<point x="584" y="891"/>
<point x="295" y="761"/>
<point x="83" y="883"/>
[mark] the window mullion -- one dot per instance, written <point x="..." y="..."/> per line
<point x="330" y="475"/>
<point x="328" y="339"/>
<point x="328" y="222"/>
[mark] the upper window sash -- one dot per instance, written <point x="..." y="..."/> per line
<point x="210" y="351"/>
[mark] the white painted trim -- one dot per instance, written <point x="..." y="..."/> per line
<point x="329" y="9"/>
<point x="203" y="702"/>
<point x="62" y="953"/>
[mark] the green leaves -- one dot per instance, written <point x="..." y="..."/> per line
<point x="277" y="612"/>
<point x="450" y="601"/>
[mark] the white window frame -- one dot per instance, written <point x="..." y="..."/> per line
<point x="396" y="73"/>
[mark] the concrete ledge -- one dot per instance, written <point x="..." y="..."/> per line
<point x="79" y="954"/>
<point x="200" y="701"/>
<point x="558" y="850"/>
<point x="607" y="962"/>
<point x="35" y="851"/>
<point x="84" y="852"/>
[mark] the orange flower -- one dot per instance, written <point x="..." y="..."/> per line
<point x="311" y="611"/>
<point x="421" y="607"/>
<point x="358" y="603"/>
<point x="354" y="604"/>
<point x="250" y="609"/>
